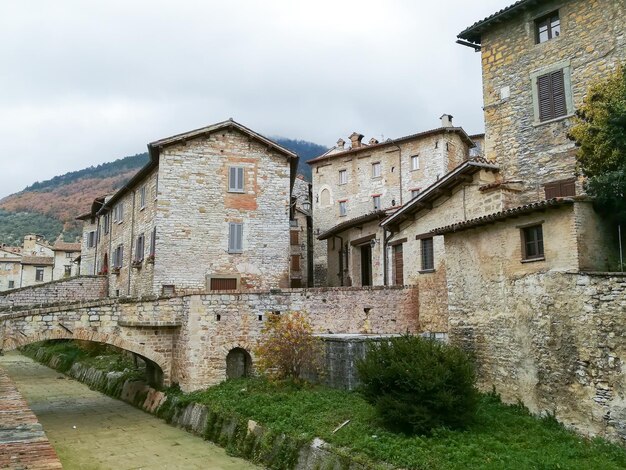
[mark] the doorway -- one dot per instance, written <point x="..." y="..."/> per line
<point x="366" y="265"/>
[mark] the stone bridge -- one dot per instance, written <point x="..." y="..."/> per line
<point x="192" y="338"/>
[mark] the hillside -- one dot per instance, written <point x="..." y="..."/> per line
<point x="50" y="207"/>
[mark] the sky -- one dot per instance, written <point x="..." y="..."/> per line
<point x="83" y="83"/>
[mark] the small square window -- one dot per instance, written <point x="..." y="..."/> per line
<point x="67" y="271"/>
<point x="415" y="193"/>
<point x="235" y="179"/>
<point x="343" y="210"/>
<point x="235" y="238"/>
<point x="532" y="242"/>
<point x="11" y="284"/>
<point x="428" y="255"/>
<point x="376" y="202"/>
<point x="547" y="27"/>
<point x="343" y="177"/>
<point x="376" y="170"/>
<point x="39" y="274"/>
<point x="415" y="162"/>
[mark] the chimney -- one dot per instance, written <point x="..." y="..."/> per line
<point x="356" y="138"/>
<point x="446" y="120"/>
<point x="341" y="143"/>
<point x="373" y="141"/>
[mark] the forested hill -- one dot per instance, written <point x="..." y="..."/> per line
<point x="50" y="207"/>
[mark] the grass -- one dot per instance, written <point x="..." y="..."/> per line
<point x="502" y="437"/>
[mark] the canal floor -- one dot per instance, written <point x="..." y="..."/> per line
<point x="91" y="431"/>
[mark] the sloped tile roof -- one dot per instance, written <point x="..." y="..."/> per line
<point x="38" y="260"/>
<point x="473" y="33"/>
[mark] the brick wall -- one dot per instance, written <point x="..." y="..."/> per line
<point x="65" y="290"/>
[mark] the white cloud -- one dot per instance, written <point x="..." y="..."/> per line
<point x="82" y="83"/>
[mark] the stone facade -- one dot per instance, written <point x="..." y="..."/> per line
<point x="10" y="268"/>
<point x="65" y="255"/>
<point x="64" y="290"/>
<point x="591" y="43"/>
<point x="168" y="230"/>
<point x="349" y="183"/>
<point x="301" y="233"/>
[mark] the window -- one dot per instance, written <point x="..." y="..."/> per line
<point x="11" y="284"/>
<point x="69" y="254"/>
<point x="376" y="170"/>
<point x="153" y="242"/>
<point x="343" y="177"/>
<point x="118" y="213"/>
<point x="235" y="179"/>
<point x="342" y="208"/>
<point x="67" y="271"/>
<point x="39" y="274"/>
<point x="551" y="98"/>
<point x="235" y="238"/>
<point x="532" y="242"/>
<point x="415" y="193"/>
<point x="376" y="202"/>
<point x="428" y="255"/>
<point x="118" y="257"/>
<point x="547" y="27"/>
<point x="223" y="283"/>
<point x="563" y="188"/>
<point x="142" y="197"/>
<point x="91" y="239"/>
<point x="156" y="187"/>
<point x="140" y="248"/>
<point x="295" y="237"/>
<point x="106" y="222"/>
<point x="415" y="162"/>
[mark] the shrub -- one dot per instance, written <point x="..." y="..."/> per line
<point x="418" y="384"/>
<point x="287" y="347"/>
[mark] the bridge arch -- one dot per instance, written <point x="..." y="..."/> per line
<point x="13" y="342"/>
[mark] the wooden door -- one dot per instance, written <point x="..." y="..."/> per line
<point x="366" y="265"/>
<point x="398" y="265"/>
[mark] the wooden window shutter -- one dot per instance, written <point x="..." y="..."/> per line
<point x="295" y="262"/>
<point x="545" y="98"/>
<point x="223" y="284"/>
<point x="558" y="93"/>
<point x="295" y="239"/>
<point x="568" y="188"/>
<point x="552" y="190"/>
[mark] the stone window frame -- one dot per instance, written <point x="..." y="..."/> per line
<point x="537" y="243"/>
<point x="569" y="97"/>
<point x="222" y="276"/>
<point x="343" y="177"/>
<point x="415" y="159"/>
<point x="427" y="254"/>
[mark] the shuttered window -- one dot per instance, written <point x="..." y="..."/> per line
<point x="235" y="238"/>
<point x="295" y="262"/>
<point x="564" y="188"/>
<point x="551" y="95"/>
<point x="140" y="248"/>
<point x="118" y="256"/>
<point x="532" y="242"/>
<point x="235" y="179"/>
<point x="295" y="239"/>
<point x="398" y="265"/>
<point x="153" y="242"/>
<point x="428" y="255"/>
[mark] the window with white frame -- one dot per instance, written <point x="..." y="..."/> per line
<point x="235" y="179"/>
<point x="343" y="177"/>
<point x="235" y="237"/>
<point x="343" y="208"/>
<point x="376" y="201"/>
<point x="376" y="170"/>
<point x="415" y="162"/>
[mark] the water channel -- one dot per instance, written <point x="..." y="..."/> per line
<point x="91" y="431"/>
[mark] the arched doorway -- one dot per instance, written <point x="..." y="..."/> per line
<point x="238" y="363"/>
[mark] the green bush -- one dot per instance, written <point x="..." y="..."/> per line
<point x="417" y="385"/>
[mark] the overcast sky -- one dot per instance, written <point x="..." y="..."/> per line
<point x="86" y="82"/>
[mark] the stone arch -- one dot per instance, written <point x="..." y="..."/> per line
<point x="238" y="363"/>
<point x="325" y="197"/>
<point x="13" y="342"/>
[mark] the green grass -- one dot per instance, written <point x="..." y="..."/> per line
<point x="502" y="437"/>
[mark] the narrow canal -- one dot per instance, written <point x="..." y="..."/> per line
<point x="91" y="431"/>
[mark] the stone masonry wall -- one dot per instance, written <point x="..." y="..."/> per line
<point x="216" y="323"/>
<point x="541" y="332"/>
<point x="65" y="290"/>
<point x="591" y="44"/>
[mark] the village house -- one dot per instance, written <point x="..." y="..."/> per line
<point x="65" y="255"/>
<point x="356" y="187"/>
<point x="10" y="267"/>
<point x="301" y="235"/>
<point x="210" y="211"/>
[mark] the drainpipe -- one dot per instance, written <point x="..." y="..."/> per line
<point x="340" y="259"/>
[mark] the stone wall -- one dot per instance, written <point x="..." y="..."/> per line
<point x="553" y="340"/>
<point x="64" y="290"/>
<point x="592" y="42"/>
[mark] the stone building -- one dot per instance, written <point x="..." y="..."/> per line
<point x="65" y="255"/>
<point x="10" y="267"/>
<point x="300" y="235"/>
<point x="210" y="211"/>
<point x="356" y="187"/>
<point x="538" y="60"/>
